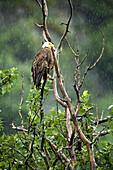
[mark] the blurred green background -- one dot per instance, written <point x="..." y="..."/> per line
<point x="20" y="40"/>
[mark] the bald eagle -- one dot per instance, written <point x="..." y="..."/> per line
<point x="42" y="64"/>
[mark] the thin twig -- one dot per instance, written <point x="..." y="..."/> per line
<point x="101" y="52"/>
<point x="84" y="58"/>
<point x="70" y="48"/>
<point x="103" y="120"/>
<point x="85" y="114"/>
<point x="96" y="120"/>
<point x="67" y="25"/>
<point x="39" y="4"/>
<point x="102" y="115"/>
<point x="83" y="78"/>
<point x="18" y="128"/>
<point x="40" y="26"/>
<point x="99" y="134"/>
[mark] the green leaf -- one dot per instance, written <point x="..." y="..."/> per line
<point x="85" y="93"/>
<point x="52" y="112"/>
<point x="13" y="69"/>
<point x="55" y="132"/>
<point x="16" y="72"/>
<point x="104" y="143"/>
<point x="6" y="71"/>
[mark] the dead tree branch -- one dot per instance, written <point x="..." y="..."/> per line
<point x="39" y="4"/>
<point x="102" y="120"/>
<point x="19" y="128"/>
<point x="101" y="52"/>
<point x="84" y="58"/>
<point x="19" y="112"/>
<point x="86" y="112"/>
<point x="44" y="9"/>
<point x="45" y="14"/>
<point x="67" y="25"/>
<point x="75" y="54"/>
<point x="55" y="92"/>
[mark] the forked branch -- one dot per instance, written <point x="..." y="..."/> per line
<point x="91" y="67"/>
<point x="44" y="9"/>
<point x="45" y="14"/>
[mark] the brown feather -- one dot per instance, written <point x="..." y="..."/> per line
<point x="42" y="64"/>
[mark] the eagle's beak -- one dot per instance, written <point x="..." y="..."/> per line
<point x="51" y="45"/>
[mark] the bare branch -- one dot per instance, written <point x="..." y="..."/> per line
<point x="19" y="112"/>
<point x="83" y="78"/>
<point x="102" y="115"/>
<point x="70" y="48"/>
<point x="68" y="123"/>
<point x="68" y="101"/>
<point x="97" y="119"/>
<point x="85" y="114"/>
<point x="104" y="133"/>
<point x="102" y="120"/>
<point x="55" y="90"/>
<point x="39" y="4"/>
<point x="84" y="58"/>
<point x="101" y="52"/>
<point x="40" y="26"/>
<point x="98" y="134"/>
<point x="78" y="108"/>
<point x="67" y="25"/>
<point x="71" y="150"/>
<point x="45" y="14"/>
<point x="19" y="128"/>
<point x="59" y="76"/>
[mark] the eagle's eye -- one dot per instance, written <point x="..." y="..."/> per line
<point x="51" y="45"/>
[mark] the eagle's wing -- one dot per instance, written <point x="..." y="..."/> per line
<point x="42" y="64"/>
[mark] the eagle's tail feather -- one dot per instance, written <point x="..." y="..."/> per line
<point x="39" y="77"/>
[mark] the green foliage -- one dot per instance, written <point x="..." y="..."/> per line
<point x="7" y="78"/>
<point x="104" y="157"/>
<point x="20" y="40"/>
<point x="23" y="149"/>
<point x="1" y="124"/>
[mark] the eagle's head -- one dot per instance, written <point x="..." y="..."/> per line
<point x="48" y="45"/>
